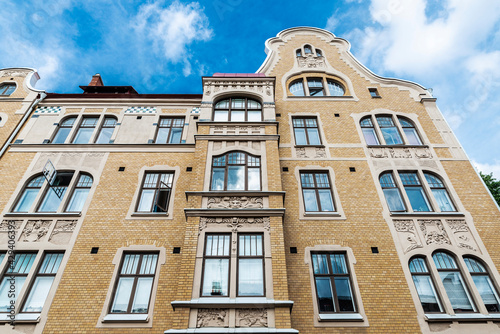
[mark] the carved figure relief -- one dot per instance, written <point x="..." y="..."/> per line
<point x="4" y="225"/>
<point x="400" y="153"/>
<point x="461" y="233"/>
<point x="407" y="235"/>
<point x="14" y="73"/>
<point x="62" y="231"/>
<point x="251" y="317"/>
<point x="301" y="152"/>
<point x="211" y="317"/>
<point x="35" y="230"/>
<point x="378" y="153"/>
<point x="311" y="62"/>
<point x="235" y="202"/>
<point x="434" y="232"/>
<point x="320" y="152"/>
<point x="234" y="222"/>
<point x="422" y="153"/>
<point x="216" y="86"/>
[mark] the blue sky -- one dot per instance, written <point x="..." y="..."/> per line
<point x="452" y="46"/>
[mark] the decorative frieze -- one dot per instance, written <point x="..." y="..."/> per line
<point x="63" y="231"/>
<point x="407" y="234"/>
<point x="237" y="130"/>
<point x="251" y="317"/>
<point x="400" y="152"/>
<point x="5" y="225"/>
<point x="462" y="234"/>
<point x="262" y="87"/>
<point x="235" y="202"/>
<point x="320" y="153"/>
<point x="234" y="222"/>
<point x="311" y="62"/>
<point x="35" y="230"/>
<point x="211" y="317"/>
<point x="434" y="232"/>
<point x="15" y="73"/>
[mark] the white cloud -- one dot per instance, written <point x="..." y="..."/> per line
<point x="173" y="29"/>
<point x="486" y="168"/>
<point x="331" y="23"/>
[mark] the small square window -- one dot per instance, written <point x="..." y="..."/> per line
<point x="374" y="92"/>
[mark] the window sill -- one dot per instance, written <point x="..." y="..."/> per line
<point x="427" y="214"/>
<point x="43" y="214"/>
<point x="215" y="330"/>
<point x="319" y="145"/>
<point x="322" y="214"/>
<point x="340" y="317"/>
<point x="461" y="317"/>
<point x="397" y="146"/>
<point x="21" y="317"/>
<point x="150" y="214"/>
<point x="238" y="302"/>
<point x="126" y="318"/>
<point x="278" y="212"/>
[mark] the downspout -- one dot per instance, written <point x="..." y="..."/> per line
<point x="14" y="133"/>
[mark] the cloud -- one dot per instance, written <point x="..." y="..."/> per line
<point x="486" y="168"/>
<point x="171" y="30"/>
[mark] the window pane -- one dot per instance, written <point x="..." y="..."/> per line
<point x="370" y="136"/>
<point x="325" y="198"/>
<point x="338" y="264"/>
<point x="335" y="89"/>
<point x="146" y="201"/>
<point x="297" y="88"/>
<point x="162" y="135"/>
<point x="310" y="200"/>
<point x="253" y="178"/>
<point x="487" y="292"/>
<point x="61" y="136"/>
<point x="320" y="264"/>
<point x="38" y="294"/>
<point x="83" y="136"/>
<point x="26" y="200"/>
<point x="220" y="115"/>
<point x="105" y="136"/>
<point x="443" y="200"/>
<point x="394" y="200"/>
<point x="250" y="277"/>
<point x="51" y="201"/>
<point x="148" y="265"/>
<point x="344" y="294"/>
<point x="175" y="136"/>
<point x="238" y="104"/>
<point x="391" y="136"/>
<point x="218" y="179"/>
<point x="142" y="294"/>
<point x="325" y="296"/>
<point x="4" y="291"/>
<point x="455" y="289"/>
<point x="236" y="178"/>
<point x="122" y="296"/>
<point x="300" y="137"/>
<point x="237" y="115"/>
<point x="78" y="200"/>
<point x="254" y="115"/>
<point x="417" y="198"/>
<point x="313" y="136"/>
<point x="426" y="293"/>
<point x="215" y="277"/>
<point x="412" y="136"/>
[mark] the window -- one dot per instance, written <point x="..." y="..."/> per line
<point x="42" y="283"/>
<point x="298" y="53"/>
<point x="373" y="92"/>
<point x="425" y="288"/>
<point x="236" y="171"/>
<point x="132" y="293"/>
<point x="416" y="192"/>
<point x="63" y="130"/>
<point x="250" y="265"/>
<point x="307" y="49"/>
<point x="333" y="283"/>
<point x="306" y="131"/>
<point x="155" y="192"/>
<point x="85" y="130"/>
<point x="389" y="130"/>
<point x="483" y="284"/>
<point x="319" y="53"/>
<point x="53" y="195"/>
<point x="169" y="130"/>
<point x="216" y="265"/>
<point x="18" y="271"/>
<point x="317" y="192"/>
<point x="7" y="89"/>
<point x="316" y="87"/>
<point x="453" y="282"/>
<point x="238" y="110"/>
<point x="107" y="128"/>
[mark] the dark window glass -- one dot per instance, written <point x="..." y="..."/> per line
<point x="298" y="53"/>
<point x="319" y="53"/>
<point x="135" y="282"/>
<point x="155" y="192"/>
<point x="7" y="89"/>
<point x="333" y="283"/>
<point x="216" y="265"/>
<point x="306" y="131"/>
<point x="424" y="285"/>
<point x="236" y="171"/>
<point x="317" y="192"/>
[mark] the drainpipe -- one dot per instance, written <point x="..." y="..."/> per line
<point x="14" y="133"/>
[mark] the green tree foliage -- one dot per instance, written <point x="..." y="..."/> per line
<point x="493" y="185"/>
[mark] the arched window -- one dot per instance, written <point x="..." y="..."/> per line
<point x="410" y="131"/>
<point x="63" y="130"/>
<point x="335" y="88"/>
<point x="29" y="194"/>
<point x="319" y="53"/>
<point x="453" y="282"/>
<point x="297" y="88"/>
<point x="307" y="49"/>
<point x="80" y="193"/>
<point x="7" y="89"/>
<point x="316" y="87"/>
<point x="424" y="285"/>
<point x="391" y="193"/>
<point x="298" y="53"/>
<point x="369" y="131"/>
<point x="390" y="129"/>
<point x="238" y="110"/>
<point x="484" y="285"/>
<point x="236" y="171"/>
<point x="107" y="128"/>
<point x="439" y="192"/>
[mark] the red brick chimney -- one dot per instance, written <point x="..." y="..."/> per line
<point x="96" y="80"/>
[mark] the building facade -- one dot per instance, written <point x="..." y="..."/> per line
<point x="312" y="196"/>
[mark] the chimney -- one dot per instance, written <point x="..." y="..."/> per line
<point x="96" y="80"/>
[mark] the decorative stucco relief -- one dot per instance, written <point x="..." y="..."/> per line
<point x="14" y="73"/>
<point x="211" y="317"/>
<point x="311" y="62"/>
<point x="434" y="232"/>
<point x="35" y="230"/>
<point x="237" y="130"/>
<point x="407" y="234"/>
<point x="251" y="317"/>
<point x="400" y="152"/>
<point x="235" y="202"/>
<point x="62" y="231"/>
<point x="4" y="225"/>
<point x="253" y="86"/>
<point x="234" y="222"/>
<point x="461" y="233"/>
<point x="301" y="152"/>
<point x="320" y="153"/>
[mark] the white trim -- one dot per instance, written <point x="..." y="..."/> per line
<point x="231" y="330"/>
<point x="341" y="316"/>
<point x="461" y="317"/>
<point x="125" y="317"/>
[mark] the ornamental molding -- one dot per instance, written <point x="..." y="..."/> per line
<point x="434" y="232"/>
<point x="400" y="152"/>
<point x="63" y="226"/>
<point x="4" y="225"/>
<point x="15" y="73"/>
<point x="462" y="234"/>
<point x="407" y="234"/>
<point x="320" y="153"/>
<point x="35" y="230"/>
<point x="251" y="317"/>
<point x="234" y="222"/>
<point x="235" y="202"/>
<point x="215" y="86"/>
<point x="211" y="317"/>
<point x="310" y="61"/>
